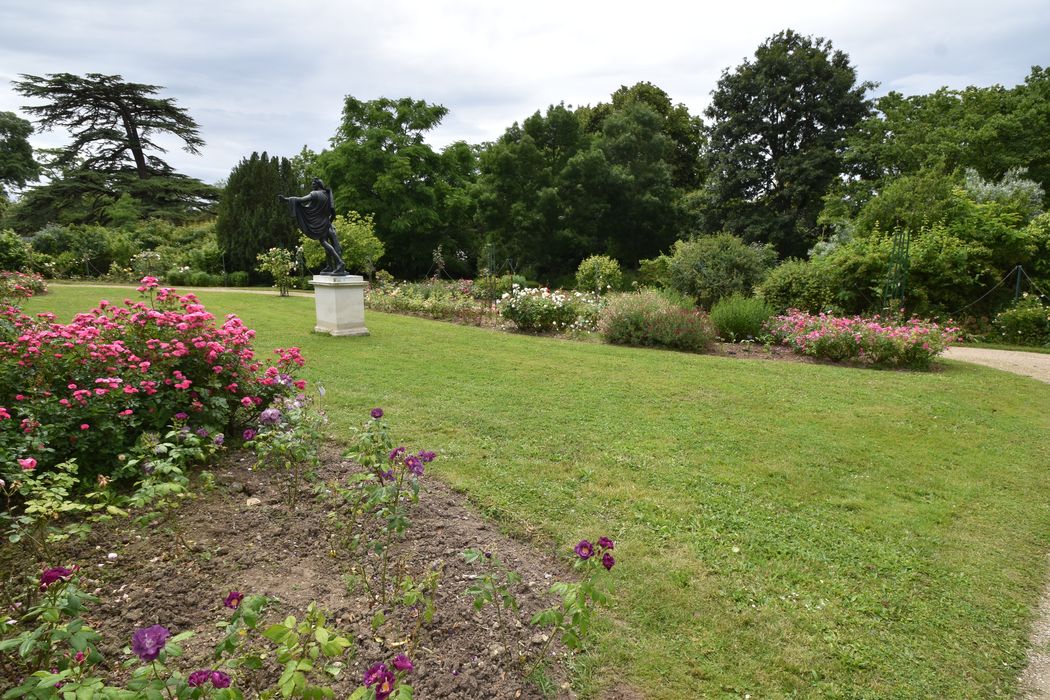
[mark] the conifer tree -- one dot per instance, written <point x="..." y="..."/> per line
<point x="251" y="219"/>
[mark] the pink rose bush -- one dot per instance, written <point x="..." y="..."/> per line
<point x="19" y="285"/>
<point x="875" y="340"/>
<point x="89" y="388"/>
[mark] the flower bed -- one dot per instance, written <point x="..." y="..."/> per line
<point x="433" y="299"/>
<point x="874" y="340"/>
<point x="89" y="388"/>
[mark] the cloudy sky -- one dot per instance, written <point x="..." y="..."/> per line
<point x="272" y="74"/>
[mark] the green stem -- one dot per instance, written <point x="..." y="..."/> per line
<point x="542" y="655"/>
<point x="156" y="674"/>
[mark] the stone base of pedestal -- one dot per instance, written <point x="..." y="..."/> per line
<point x="340" y="304"/>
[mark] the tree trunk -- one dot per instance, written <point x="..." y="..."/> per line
<point x="133" y="142"/>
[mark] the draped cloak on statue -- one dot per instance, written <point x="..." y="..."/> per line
<point x="314" y="213"/>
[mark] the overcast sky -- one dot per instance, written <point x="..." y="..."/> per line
<point x="271" y="75"/>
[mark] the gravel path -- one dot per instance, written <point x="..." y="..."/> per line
<point x="1030" y="364"/>
<point x="1035" y="680"/>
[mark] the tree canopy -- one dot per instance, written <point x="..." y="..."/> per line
<point x="17" y="166"/>
<point x="565" y="184"/>
<point x="379" y="164"/>
<point x="114" y="150"/>
<point x="251" y="220"/>
<point x="990" y="129"/>
<point x="777" y="132"/>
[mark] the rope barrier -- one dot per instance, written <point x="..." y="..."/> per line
<point x="999" y="284"/>
<point x="1034" y="285"/>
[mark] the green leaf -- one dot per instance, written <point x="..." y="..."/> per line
<point x="276" y="633"/>
<point x="48" y="680"/>
<point x="252" y="662"/>
<point x="10" y="643"/>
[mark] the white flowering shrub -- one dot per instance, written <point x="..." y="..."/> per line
<point x="541" y="310"/>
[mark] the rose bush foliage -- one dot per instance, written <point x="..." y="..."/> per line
<point x="87" y="389"/>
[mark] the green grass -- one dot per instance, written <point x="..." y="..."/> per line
<point x="782" y="529"/>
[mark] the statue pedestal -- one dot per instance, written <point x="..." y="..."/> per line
<point x="340" y="304"/>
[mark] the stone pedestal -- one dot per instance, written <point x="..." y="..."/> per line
<point x="340" y="304"/>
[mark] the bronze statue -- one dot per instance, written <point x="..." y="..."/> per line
<point x="314" y="215"/>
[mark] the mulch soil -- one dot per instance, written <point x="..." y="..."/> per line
<point x="242" y="536"/>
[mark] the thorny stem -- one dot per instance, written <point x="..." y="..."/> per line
<point x="390" y="532"/>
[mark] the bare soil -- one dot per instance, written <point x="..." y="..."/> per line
<point x="241" y="536"/>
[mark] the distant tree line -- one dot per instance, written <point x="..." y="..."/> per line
<point x="793" y="153"/>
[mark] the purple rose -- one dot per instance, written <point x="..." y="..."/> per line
<point x="233" y="600"/>
<point x="201" y="432"/>
<point x="605" y="543"/>
<point x="374" y="674"/>
<point x="608" y="561"/>
<point x="385" y="685"/>
<point x="57" y="573"/>
<point x="397" y="452"/>
<point x="219" y="439"/>
<point x="270" y="416"/>
<point x="249" y="434"/>
<point x="402" y="663"/>
<point x="426" y="456"/>
<point x="584" y="549"/>
<point x="388" y="475"/>
<point x="147" y="643"/>
<point x="198" y="678"/>
<point x="414" y="464"/>
<point x="220" y="679"/>
<point x="377" y="413"/>
<point x="181" y="415"/>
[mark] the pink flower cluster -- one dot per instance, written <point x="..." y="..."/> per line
<point x="89" y="387"/>
<point x="874" y="340"/>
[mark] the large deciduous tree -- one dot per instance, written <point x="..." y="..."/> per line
<point x="777" y="130"/>
<point x="685" y="131"/>
<point x="530" y="213"/>
<point x="251" y="219"/>
<point x="114" y="150"/>
<point x="990" y="129"/>
<point x="607" y="179"/>
<point x="379" y="164"/>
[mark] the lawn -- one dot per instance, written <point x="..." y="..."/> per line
<point x="782" y="529"/>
